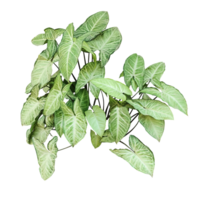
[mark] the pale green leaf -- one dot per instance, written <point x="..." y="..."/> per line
<point x="46" y="88"/>
<point x="154" y="108"/>
<point x="59" y="32"/>
<point x="49" y="120"/>
<point x="154" y="71"/>
<point x="51" y="48"/>
<point x="35" y="91"/>
<point x="89" y="72"/>
<point x="153" y="126"/>
<point x="107" y="43"/>
<point x="39" y="40"/>
<point x="134" y="84"/>
<point x="94" y="24"/>
<point x="111" y="87"/>
<point x="96" y="119"/>
<point x="134" y="67"/>
<point x="50" y="33"/>
<point x="54" y="97"/>
<point x="170" y="95"/>
<point x="46" y="159"/>
<point x="74" y="123"/>
<point x="146" y="97"/>
<point x="113" y="103"/>
<point x="68" y="51"/>
<point x="142" y="159"/>
<point x="41" y="73"/>
<point x="85" y="47"/>
<point x="56" y="57"/>
<point x="119" y="122"/>
<point x="121" y="75"/>
<point x="28" y="88"/>
<point x="31" y="110"/>
<point x="108" y="137"/>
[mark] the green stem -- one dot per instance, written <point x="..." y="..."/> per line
<point x="102" y="99"/>
<point x="64" y="148"/>
<point x="127" y="146"/>
<point x="132" y="129"/>
<point x="56" y="65"/>
<point x="84" y="58"/>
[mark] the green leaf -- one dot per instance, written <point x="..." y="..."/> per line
<point x="94" y="24"/>
<point x="142" y="159"/>
<point x="59" y="32"/>
<point x="35" y="91"/>
<point x="55" y="58"/>
<point x="94" y="140"/>
<point x="54" y="97"/>
<point x="39" y="40"/>
<point x="31" y="110"/>
<point x="154" y="71"/>
<point x="134" y="67"/>
<point x="46" y="159"/>
<point x="49" y="120"/>
<point x="153" y="126"/>
<point x="96" y="119"/>
<point x="46" y="88"/>
<point x="119" y="122"/>
<point x="170" y="95"/>
<point x="107" y="43"/>
<point x="51" y="48"/>
<point x="146" y="97"/>
<point x="41" y="73"/>
<point x="28" y="88"/>
<point x="85" y="47"/>
<point x="134" y="84"/>
<point x="113" y="103"/>
<point x="154" y="108"/>
<point x="111" y="87"/>
<point x="59" y="121"/>
<point x="87" y="73"/>
<point x="68" y="51"/>
<point x="50" y="33"/>
<point x="74" y="123"/>
<point x="108" y="137"/>
<point x="83" y="99"/>
<point x="121" y="75"/>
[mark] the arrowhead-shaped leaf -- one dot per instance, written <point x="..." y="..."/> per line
<point x="46" y="159"/>
<point x="153" y="108"/>
<point x="94" y="24"/>
<point x="170" y="95"/>
<point x="68" y="51"/>
<point x="119" y="122"/>
<point x="153" y="126"/>
<point x="74" y="123"/>
<point x="111" y="87"/>
<point x="89" y="72"/>
<point x="59" y="121"/>
<point x="54" y="97"/>
<point x="39" y="40"/>
<point x="95" y="139"/>
<point x="107" y="43"/>
<point x="134" y="68"/>
<point x="154" y="71"/>
<point x="41" y="73"/>
<point x="83" y="99"/>
<point x="141" y="158"/>
<point x="31" y="110"/>
<point x="107" y="137"/>
<point x="96" y="119"/>
<point x="51" y="48"/>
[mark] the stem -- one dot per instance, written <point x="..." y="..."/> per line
<point x="108" y="112"/>
<point x="70" y="97"/>
<point x="108" y="117"/>
<point x="94" y="101"/>
<point x="155" y="98"/>
<point x="84" y="58"/>
<point x="132" y="129"/>
<point x="88" y="57"/>
<point x="64" y="148"/>
<point x="103" y="99"/>
<point x="50" y="134"/>
<point x="131" y="111"/>
<point x="99" y="103"/>
<point x="74" y="77"/>
<point x="127" y="146"/>
<point x="107" y="108"/>
<point x="79" y="66"/>
<point x="89" y="95"/>
<point x="135" y="94"/>
<point x="134" y="117"/>
<point x="56" y="65"/>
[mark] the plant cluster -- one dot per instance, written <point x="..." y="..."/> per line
<point x="92" y="104"/>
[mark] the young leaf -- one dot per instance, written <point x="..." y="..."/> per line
<point x="111" y="87"/>
<point x="50" y="33"/>
<point x="134" y="67"/>
<point x="46" y="159"/>
<point x="153" y="108"/>
<point x="97" y="120"/>
<point x="134" y="84"/>
<point x="170" y="95"/>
